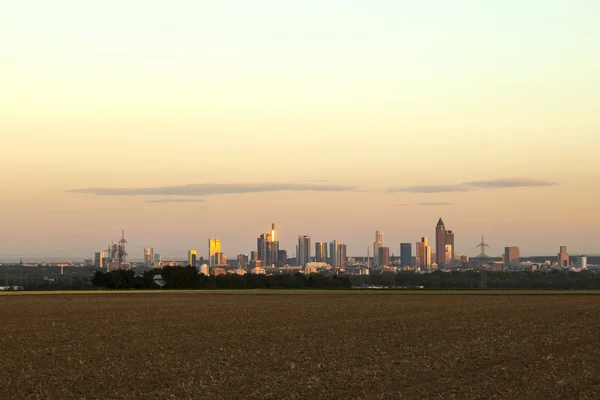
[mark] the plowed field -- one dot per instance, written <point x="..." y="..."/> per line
<point x="299" y="346"/>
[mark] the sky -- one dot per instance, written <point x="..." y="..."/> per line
<point x="178" y="121"/>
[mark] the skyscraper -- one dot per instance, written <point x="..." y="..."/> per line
<point x="333" y="253"/>
<point x="341" y="256"/>
<point x="440" y="244"/>
<point x="376" y="245"/>
<point x="384" y="256"/>
<point x="424" y="253"/>
<point x="282" y="258"/>
<point x="321" y="252"/>
<point x="192" y="258"/>
<point x="405" y="254"/>
<point x="303" y="254"/>
<point x="563" y="257"/>
<point x="512" y="255"/>
<point x="263" y="248"/>
<point x="148" y="256"/>
<point x="214" y="246"/>
<point x="272" y="253"/>
<point x="450" y="241"/>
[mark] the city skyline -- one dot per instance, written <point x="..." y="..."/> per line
<point x="336" y="119"/>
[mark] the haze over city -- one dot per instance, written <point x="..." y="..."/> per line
<point x="180" y="122"/>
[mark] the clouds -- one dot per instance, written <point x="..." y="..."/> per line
<point x="427" y="204"/>
<point x="473" y="185"/>
<point x="430" y="189"/>
<point x="176" y="201"/>
<point x="208" y="189"/>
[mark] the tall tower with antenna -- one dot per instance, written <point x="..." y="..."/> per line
<point x="483" y="245"/>
<point x="121" y="252"/>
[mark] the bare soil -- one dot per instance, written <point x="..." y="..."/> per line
<point x="299" y="346"/>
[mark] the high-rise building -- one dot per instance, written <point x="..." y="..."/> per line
<point x="303" y="253"/>
<point x="148" y="256"/>
<point x="192" y="258"/>
<point x="563" y="257"/>
<point x="157" y="258"/>
<point x="254" y="255"/>
<point x="320" y="252"/>
<point x="448" y="255"/>
<point x="512" y="255"/>
<point x="405" y="254"/>
<point x="261" y="245"/>
<point x="424" y="253"/>
<point x="334" y="258"/>
<point x="272" y="253"/>
<point x="242" y="260"/>
<point x="450" y="241"/>
<point x="204" y="269"/>
<point x="282" y="258"/>
<point x="440" y="244"/>
<point x="582" y="262"/>
<point x="214" y="246"/>
<point x="99" y="259"/>
<point x="219" y="259"/>
<point x="342" y="259"/>
<point x="384" y="256"/>
<point x="376" y="245"/>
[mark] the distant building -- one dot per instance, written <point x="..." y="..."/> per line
<point x="376" y="245"/>
<point x="258" y="270"/>
<point x="342" y="258"/>
<point x="242" y="260"/>
<point x="303" y="253"/>
<point x="424" y="253"/>
<point x="320" y="252"/>
<point x="384" y="256"/>
<point x="192" y="258"/>
<point x="282" y="258"/>
<point x="218" y="271"/>
<point x="214" y="246"/>
<point x="582" y="262"/>
<point x="512" y="255"/>
<point x="405" y="254"/>
<point x="205" y="269"/>
<point x="448" y="254"/>
<point x="148" y="256"/>
<point x="88" y="262"/>
<point x="157" y="258"/>
<point x="450" y="241"/>
<point x="440" y="244"/>
<point x="99" y="259"/>
<point x="219" y="259"/>
<point x="334" y="259"/>
<point x="563" y="257"/>
<point x="254" y="255"/>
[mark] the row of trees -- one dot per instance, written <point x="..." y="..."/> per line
<point x="189" y="278"/>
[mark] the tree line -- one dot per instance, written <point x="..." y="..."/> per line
<point x="189" y="278"/>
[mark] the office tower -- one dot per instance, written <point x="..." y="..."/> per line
<point x="341" y="255"/>
<point x="98" y="259"/>
<point x="450" y="241"/>
<point x="384" y="256"/>
<point x="219" y="259"/>
<point x="424" y="253"/>
<point x="192" y="258"/>
<point x="321" y="252"/>
<point x="282" y="258"/>
<point x="512" y="255"/>
<point x="563" y="257"/>
<point x="448" y="255"/>
<point x="303" y="254"/>
<point x="440" y="244"/>
<point x="405" y="254"/>
<point x="333" y="253"/>
<point x="204" y="269"/>
<point x="254" y="255"/>
<point x="157" y="258"/>
<point x="242" y="260"/>
<point x="272" y="253"/>
<point x="582" y="262"/>
<point x="376" y="245"/>
<point x="148" y="255"/>
<point x="214" y="246"/>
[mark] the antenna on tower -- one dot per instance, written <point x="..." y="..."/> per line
<point x="483" y="245"/>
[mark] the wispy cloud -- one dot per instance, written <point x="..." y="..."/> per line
<point x="434" y="203"/>
<point x="176" y="201"/>
<point x="473" y="185"/>
<point x="509" y="183"/>
<point x="430" y="189"/>
<point x="207" y="189"/>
